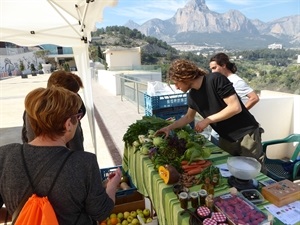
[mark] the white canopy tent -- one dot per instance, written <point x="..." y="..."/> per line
<point x="66" y="23"/>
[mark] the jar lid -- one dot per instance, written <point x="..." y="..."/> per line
<point x="209" y="221"/>
<point x="202" y="192"/>
<point x="183" y="195"/>
<point x="219" y="217"/>
<point x="194" y="194"/>
<point x="203" y="211"/>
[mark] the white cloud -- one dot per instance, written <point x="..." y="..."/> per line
<point x="167" y="5"/>
<point x="239" y="2"/>
<point x="142" y="11"/>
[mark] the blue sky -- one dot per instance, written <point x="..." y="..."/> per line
<point x="141" y="11"/>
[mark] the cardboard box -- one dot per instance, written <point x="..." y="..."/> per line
<point x="129" y="202"/>
<point x="282" y="192"/>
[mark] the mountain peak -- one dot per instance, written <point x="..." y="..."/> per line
<point x="196" y="24"/>
<point x="197" y="4"/>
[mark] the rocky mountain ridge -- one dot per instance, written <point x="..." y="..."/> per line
<point x="196" y="24"/>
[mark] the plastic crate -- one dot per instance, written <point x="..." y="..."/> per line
<point x="105" y="173"/>
<point x="164" y="101"/>
<point x="245" y="213"/>
<point x="175" y="112"/>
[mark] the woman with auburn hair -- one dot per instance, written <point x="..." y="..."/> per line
<point x="215" y="99"/>
<point x="73" y="83"/>
<point x="78" y="196"/>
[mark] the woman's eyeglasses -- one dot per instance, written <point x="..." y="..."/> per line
<point x="79" y="115"/>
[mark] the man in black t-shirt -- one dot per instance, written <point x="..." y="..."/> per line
<point x="215" y="99"/>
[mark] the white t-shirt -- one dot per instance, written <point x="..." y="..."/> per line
<point x="240" y="86"/>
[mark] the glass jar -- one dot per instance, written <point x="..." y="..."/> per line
<point x="202" y="195"/>
<point x="194" y="199"/>
<point x="183" y="198"/>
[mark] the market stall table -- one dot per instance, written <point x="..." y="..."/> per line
<point x="164" y="200"/>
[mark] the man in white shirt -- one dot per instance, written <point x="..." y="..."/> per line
<point x="221" y="63"/>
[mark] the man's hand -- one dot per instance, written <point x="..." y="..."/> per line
<point x="165" y="130"/>
<point x="201" y="125"/>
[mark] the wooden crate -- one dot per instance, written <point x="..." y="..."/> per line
<point x="129" y="202"/>
<point x="282" y="192"/>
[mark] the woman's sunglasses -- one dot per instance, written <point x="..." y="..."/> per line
<point x="79" y="115"/>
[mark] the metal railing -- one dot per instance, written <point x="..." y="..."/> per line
<point x="133" y="89"/>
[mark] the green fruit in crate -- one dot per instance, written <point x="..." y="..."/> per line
<point x="133" y="214"/>
<point x="113" y="215"/>
<point x="135" y="221"/>
<point x="129" y="219"/>
<point x="146" y="212"/>
<point x="124" y="222"/>
<point x="141" y="214"/>
<point x="149" y="220"/>
<point x="126" y="214"/>
<point x="120" y="216"/>
<point x="139" y="211"/>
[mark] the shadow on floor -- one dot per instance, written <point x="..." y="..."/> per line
<point x="113" y="150"/>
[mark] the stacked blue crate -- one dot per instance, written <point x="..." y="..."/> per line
<point x="166" y="106"/>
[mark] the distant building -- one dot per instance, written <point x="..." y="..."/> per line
<point x="123" y="58"/>
<point x="11" y="55"/>
<point x="298" y="59"/>
<point x="275" y="46"/>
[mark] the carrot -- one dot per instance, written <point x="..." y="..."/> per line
<point x="198" y="162"/>
<point x="184" y="162"/>
<point x="206" y="164"/>
<point x="195" y="171"/>
<point x="187" y="167"/>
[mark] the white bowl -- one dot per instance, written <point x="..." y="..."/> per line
<point x="244" y="168"/>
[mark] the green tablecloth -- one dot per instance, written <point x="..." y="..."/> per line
<point x="164" y="200"/>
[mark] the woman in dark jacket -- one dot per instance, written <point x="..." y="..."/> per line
<point x="78" y="193"/>
<point x="73" y="83"/>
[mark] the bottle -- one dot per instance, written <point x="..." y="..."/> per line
<point x="208" y="186"/>
<point x="215" y="179"/>
<point x="209" y="202"/>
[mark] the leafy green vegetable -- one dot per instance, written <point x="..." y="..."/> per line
<point x="142" y="127"/>
<point x="183" y="143"/>
<point x="157" y="141"/>
<point x="183" y="134"/>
